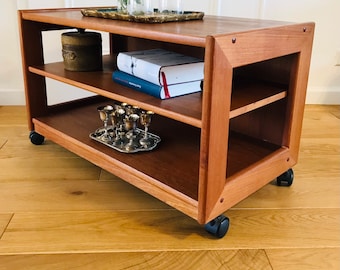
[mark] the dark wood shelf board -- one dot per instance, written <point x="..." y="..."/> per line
<point x="187" y="108"/>
<point x="175" y="162"/>
<point x="246" y="96"/>
<point x="191" y="33"/>
<point x="249" y="95"/>
<point x="244" y="151"/>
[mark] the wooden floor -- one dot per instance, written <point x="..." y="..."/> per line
<point x="57" y="211"/>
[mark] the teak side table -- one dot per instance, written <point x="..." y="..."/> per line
<point x="218" y="146"/>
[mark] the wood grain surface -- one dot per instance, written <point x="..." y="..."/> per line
<point x="58" y="211"/>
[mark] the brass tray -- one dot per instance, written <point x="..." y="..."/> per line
<point x="113" y="14"/>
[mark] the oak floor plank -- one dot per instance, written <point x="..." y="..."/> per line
<point x="28" y="161"/>
<point x="305" y="259"/>
<point x="165" y="230"/>
<point x="13" y="115"/>
<point x="46" y="169"/>
<point x="313" y="192"/>
<point x="58" y="211"/>
<point x="2" y="142"/>
<point x="310" y="147"/>
<point x="168" y="260"/>
<point x="108" y="231"/>
<point x="324" y="116"/>
<point x="73" y="195"/>
<point x="4" y="221"/>
<point x="285" y="228"/>
<point x="20" y="146"/>
<point x="24" y="161"/>
<point x="14" y="132"/>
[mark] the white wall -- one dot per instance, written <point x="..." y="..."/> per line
<point x="11" y="81"/>
<point x="324" y="77"/>
<point x="324" y="80"/>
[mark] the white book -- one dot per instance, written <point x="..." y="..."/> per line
<point x="159" y="91"/>
<point x="161" y="67"/>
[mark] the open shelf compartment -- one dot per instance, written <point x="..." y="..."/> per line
<point x="174" y="163"/>
<point x="168" y="163"/>
<point x="218" y="146"/>
<point x="247" y="95"/>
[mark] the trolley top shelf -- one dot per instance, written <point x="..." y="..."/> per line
<point x="192" y="33"/>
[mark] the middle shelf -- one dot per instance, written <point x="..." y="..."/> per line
<point x="246" y="96"/>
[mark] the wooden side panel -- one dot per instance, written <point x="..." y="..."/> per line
<point x="32" y="54"/>
<point x="254" y="46"/>
<point x="232" y="51"/>
<point x="215" y="132"/>
<point x="298" y="94"/>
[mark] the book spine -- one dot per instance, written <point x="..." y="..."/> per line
<point x="139" y="68"/>
<point x="175" y="72"/>
<point x="137" y="84"/>
<point x="183" y="72"/>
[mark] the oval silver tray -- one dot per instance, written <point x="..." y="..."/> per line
<point x="139" y="134"/>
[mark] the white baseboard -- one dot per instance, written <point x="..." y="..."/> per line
<point x="318" y="95"/>
<point x="12" y="97"/>
<point x="315" y="95"/>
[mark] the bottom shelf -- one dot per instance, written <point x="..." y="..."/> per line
<point x="173" y="164"/>
<point x="243" y="151"/>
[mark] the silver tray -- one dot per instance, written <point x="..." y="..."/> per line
<point x="122" y="145"/>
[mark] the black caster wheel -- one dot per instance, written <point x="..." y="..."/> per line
<point x="285" y="179"/>
<point x="36" y="138"/>
<point x="218" y="226"/>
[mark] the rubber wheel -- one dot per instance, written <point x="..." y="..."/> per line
<point x="285" y="179"/>
<point x="218" y="227"/>
<point x="36" y="138"/>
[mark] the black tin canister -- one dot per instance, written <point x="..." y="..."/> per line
<point x="82" y="51"/>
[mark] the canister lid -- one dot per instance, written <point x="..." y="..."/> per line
<point x="81" y="38"/>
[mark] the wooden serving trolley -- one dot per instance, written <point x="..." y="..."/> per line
<point x="217" y="147"/>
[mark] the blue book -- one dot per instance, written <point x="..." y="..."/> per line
<point x="162" y="92"/>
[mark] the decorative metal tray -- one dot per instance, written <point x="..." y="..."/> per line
<point x="113" y="14"/>
<point x="125" y="145"/>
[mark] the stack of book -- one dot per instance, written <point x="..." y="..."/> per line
<point x="160" y="73"/>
